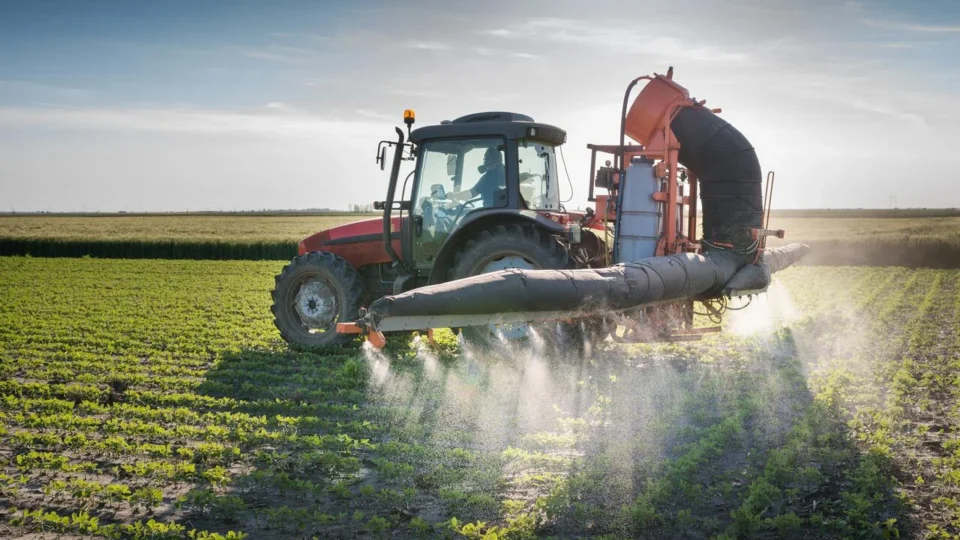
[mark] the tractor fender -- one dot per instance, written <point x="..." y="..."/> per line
<point x="481" y="219"/>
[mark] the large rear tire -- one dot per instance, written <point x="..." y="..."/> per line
<point x="499" y="248"/>
<point x="311" y="295"/>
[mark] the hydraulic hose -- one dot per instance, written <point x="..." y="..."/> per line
<point x="623" y="121"/>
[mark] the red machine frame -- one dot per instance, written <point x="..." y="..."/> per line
<point x="648" y="121"/>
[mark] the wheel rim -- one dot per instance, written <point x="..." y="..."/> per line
<point x="317" y="304"/>
<point x="504" y="262"/>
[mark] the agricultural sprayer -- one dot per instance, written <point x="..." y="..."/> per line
<point x="476" y="237"/>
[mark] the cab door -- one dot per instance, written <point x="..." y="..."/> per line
<point x="445" y="168"/>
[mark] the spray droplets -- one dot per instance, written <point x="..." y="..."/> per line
<point x="765" y="313"/>
<point x="379" y="365"/>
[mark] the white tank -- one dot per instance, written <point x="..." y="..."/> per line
<point x="638" y="218"/>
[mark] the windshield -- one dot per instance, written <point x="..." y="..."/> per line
<point x="455" y="177"/>
<point x="539" y="185"/>
<point x="472" y="168"/>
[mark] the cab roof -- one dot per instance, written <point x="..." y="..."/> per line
<point x="506" y="124"/>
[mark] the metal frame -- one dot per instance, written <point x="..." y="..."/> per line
<point x="677" y="235"/>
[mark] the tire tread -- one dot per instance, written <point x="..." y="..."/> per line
<point x="347" y="279"/>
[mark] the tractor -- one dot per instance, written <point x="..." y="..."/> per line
<point x="477" y="237"/>
<point x="484" y="196"/>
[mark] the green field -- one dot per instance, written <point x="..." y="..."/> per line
<point x="928" y="238"/>
<point x="152" y="399"/>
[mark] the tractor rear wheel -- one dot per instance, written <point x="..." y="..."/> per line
<point x="499" y="248"/>
<point x="311" y="295"/>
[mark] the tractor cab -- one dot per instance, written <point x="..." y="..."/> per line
<point x="484" y="196"/>
<point x="476" y="165"/>
<point x="477" y="168"/>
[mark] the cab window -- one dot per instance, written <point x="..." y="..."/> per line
<point x="455" y="177"/>
<point x="539" y="184"/>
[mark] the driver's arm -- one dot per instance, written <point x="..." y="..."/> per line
<point x="464" y="195"/>
<point x="486" y="184"/>
<point x="476" y="190"/>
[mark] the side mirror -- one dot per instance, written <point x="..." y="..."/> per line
<point x="383" y="158"/>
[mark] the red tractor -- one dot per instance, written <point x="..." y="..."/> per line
<point x="484" y="196"/>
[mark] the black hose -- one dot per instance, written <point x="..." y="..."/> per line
<point x="730" y="178"/>
<point x="585" y="290"/>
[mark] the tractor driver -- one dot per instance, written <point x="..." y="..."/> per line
<point x="493" y="180"/>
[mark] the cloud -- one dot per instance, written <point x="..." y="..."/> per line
<point x="912" y="27"/>
<point x="302" y="36"/>
<point x="619" y="40"/>
<point x="376" y="115"/>
<point x="408" y="93"/>
<point x="183" y="120"/>
<point x="894" y="45"/>
<point x="880" y="109"/>
<point x="44" y="90"/>
<point x="499" y="32"/>
<point x="275" y="53"/>
<point x="428" y="45"/>
<point x="329" y="80"/>
<point x="490" y="51"/>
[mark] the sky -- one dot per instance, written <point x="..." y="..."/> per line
<point x="247" y="105"/>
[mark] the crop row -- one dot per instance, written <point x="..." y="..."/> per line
<point x="892" y="378"/>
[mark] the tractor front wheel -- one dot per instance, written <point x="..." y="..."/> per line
<point x="311" y="295"/>
<point x="499" y="248"/>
